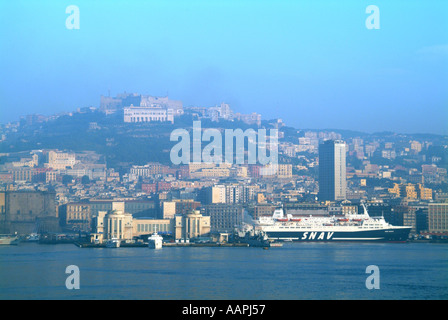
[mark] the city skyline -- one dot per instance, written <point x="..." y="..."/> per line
<point x="52" y="116"/>
<point x="211" y="150"/>
<point x="316" y="65"/>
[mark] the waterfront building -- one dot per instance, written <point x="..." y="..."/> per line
<point x="393" y="214"/>
<point x="145" y="227"/>
<point x="438" y="217"/>
<point x="417" y="218"/>
<point x="75" y="216"/>
<point x="263" y="210"/>
<point x="421" y="220"/>
<point x="223" y="217"/>
<point x="182" y="226"/>
<point x="191" y="225"/>
<point x="26" y="212"/>
<point x="115" y="223"/>
<point x="138" y="208"/>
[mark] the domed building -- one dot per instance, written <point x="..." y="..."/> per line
<point x="120" y="225"/>
<point x="115" y="223"/>
<point x="191" y="225"/>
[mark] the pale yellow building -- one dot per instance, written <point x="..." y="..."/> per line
<point x="149" y="226"/>
<point x="284" y="171"/>
<point x="77" y="215"/>
<point x="60" y="160"/>
<point x="168" y="209"/>
<point x="115" y="223"/>
<point x="242" y="172"/>
<point x="411" y="191"/>
<point x="22" y="174"/>
<point x="280" y="171"/>
<point x="425" y="193"/>
<point x="27" y="162"/>
<point x="349" y="209"/>
<point x="209" y="170"/>
<point x="216" y="194"/>
<point x="218" y="172"/>
<point x="191" y="225"/>
<point x="118" y="224"/>
<point x="197" y="166"/>
<point x="51" y="176"/>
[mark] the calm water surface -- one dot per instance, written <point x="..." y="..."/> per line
<point x="294" y="271"/>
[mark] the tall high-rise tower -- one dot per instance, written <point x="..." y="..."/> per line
<point x="332" y="171"/>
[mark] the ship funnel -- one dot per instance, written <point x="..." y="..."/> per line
<point x="278" y="214"/>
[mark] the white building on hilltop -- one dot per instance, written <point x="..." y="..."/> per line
<point x="148" y="114"/>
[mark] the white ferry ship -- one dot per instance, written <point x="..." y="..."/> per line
<point x="353" y="227"/>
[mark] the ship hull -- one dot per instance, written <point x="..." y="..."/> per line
<point x="12" y="240"/>
<point x="113" y="244"/>
<point x="322" y="235"/>
<point x="155" y="245"/>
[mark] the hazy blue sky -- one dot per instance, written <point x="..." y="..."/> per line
<point x="312" y="63"/>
